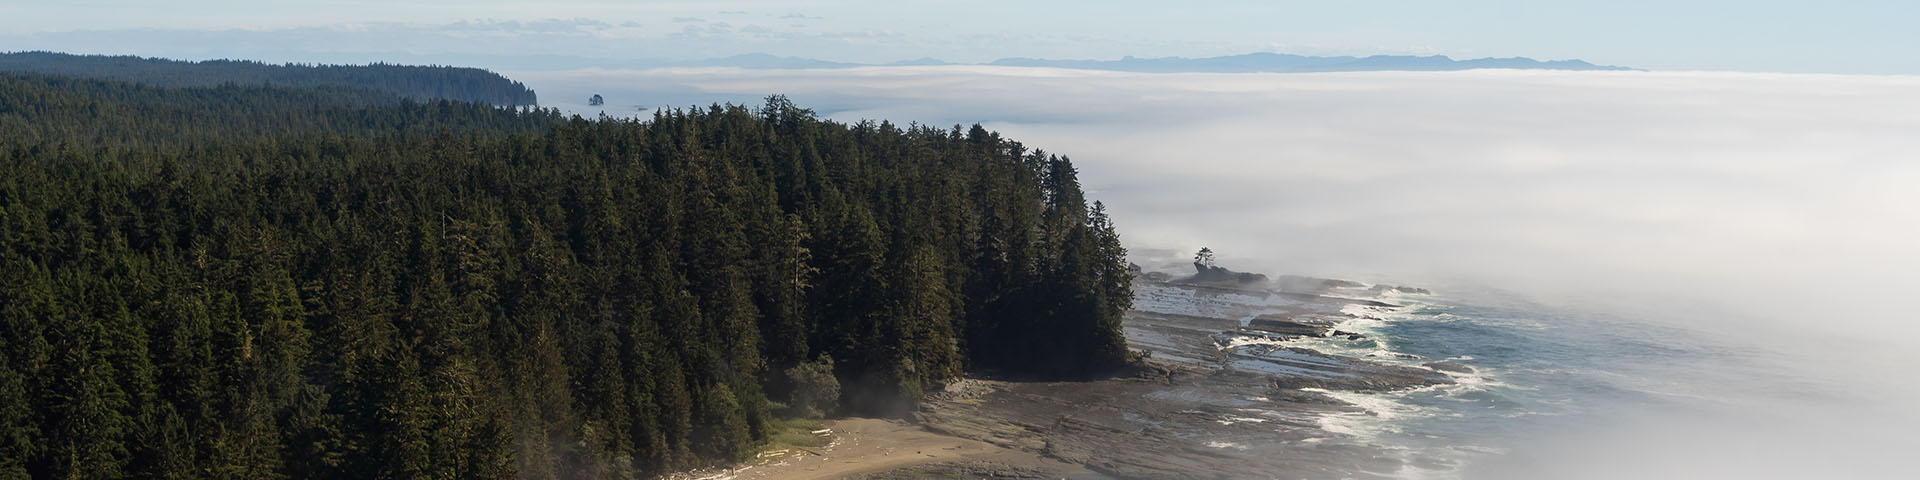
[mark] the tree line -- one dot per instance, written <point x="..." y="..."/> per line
<point x="38" y="109"/>
<point x="407" y="81"/>
<point x="507" y="294"/>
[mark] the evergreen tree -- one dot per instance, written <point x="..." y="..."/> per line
<point x="420" y="83"/>
<point x="320" y="282"/>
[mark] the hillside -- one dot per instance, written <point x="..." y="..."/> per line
<point x="413" y="82"/>
<point x="518" y="297"/>
<point x="43" y="109"/>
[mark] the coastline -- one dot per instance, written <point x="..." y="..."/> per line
<point x="1229" y="391"/>
<point x="876" y="448"/>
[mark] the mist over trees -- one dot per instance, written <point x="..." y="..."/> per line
<point x="329" y="283"/>
<point x="406" y="81"/>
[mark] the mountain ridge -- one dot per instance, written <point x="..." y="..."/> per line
<point x="417" y="82"/>
<point x="1269" y="62"/>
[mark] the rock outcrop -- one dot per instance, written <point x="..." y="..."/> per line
<point x="1224" y="396"/>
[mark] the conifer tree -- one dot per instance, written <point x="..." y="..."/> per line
<point x="327" y="283"/>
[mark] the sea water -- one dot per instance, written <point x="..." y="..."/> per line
<point x="1562" y="393"/>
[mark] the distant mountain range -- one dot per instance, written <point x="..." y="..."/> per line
<point x="1248" y="63"/>
<point x="1280" y="62"/>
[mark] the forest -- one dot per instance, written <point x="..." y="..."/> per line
<point x="254" y="281"/>
<point x="406" y="81"/>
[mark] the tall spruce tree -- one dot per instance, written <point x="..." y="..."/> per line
<point x="332" y="283"/>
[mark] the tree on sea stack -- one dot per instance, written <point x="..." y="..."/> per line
<point x="596" y="101"/>
<point x="1204" y="257"/>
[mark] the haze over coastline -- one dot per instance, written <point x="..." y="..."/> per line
<point x="1483" y="239"/>
<point x="1739" y="184"/>
<point x="1767" y="213"/>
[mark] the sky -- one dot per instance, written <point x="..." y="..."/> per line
<point x="1858" y="36"/>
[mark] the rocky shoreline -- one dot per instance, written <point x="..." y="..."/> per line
<point x="1222" y="397"/>
<point x="1228" y="392"/>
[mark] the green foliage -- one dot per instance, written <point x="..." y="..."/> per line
<point x="413" y="82"/>
<point x="815" y="391"/>
<point x="304" y="283"/>
<point x="798" y="433"/>
<point x="48" y="111"/>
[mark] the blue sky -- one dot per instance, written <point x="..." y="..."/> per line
<point x="1871" y="36"/>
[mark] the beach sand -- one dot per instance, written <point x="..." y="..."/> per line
<point x="1223" y="397"/>
<point x="871" y="448"/>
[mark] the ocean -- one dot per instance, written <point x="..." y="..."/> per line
<point x="1562" y="393"/>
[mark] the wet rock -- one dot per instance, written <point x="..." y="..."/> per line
<point x="1333" y="372"/>
<point x="1204" y="273"/>
<point x="1291" y="326"/>
<point x="1154" y="372"/>
<point x="1207" y="424"/>
<point x="1222" y="396"/>
<point x="1312" y="285"/>
<point x="1450" y="367"/>
<point x="1380" y="289"/>
<point x="962" y="469"/>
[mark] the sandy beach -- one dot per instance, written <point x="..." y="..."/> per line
<point x="871" y="448"/>
<point x="1223" y="397"/>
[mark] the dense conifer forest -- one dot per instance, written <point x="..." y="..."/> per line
<point x="38" y="109"/>
<point x="275" y="282"/>
<point x="407" y="81"/>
